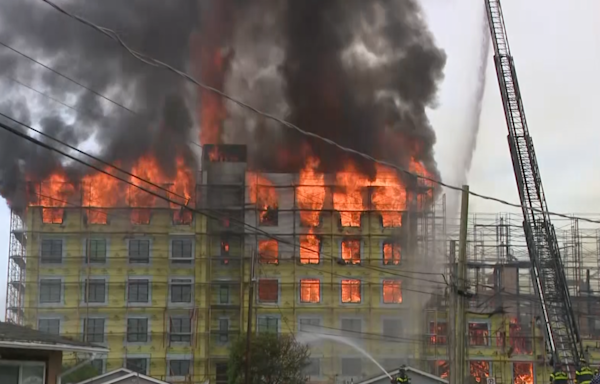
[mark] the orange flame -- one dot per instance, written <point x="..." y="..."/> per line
<point x="54" y="193"/>
<point x="523" y="373"/>
<point x="309" y="248"/>
<point x="310" y="290"/>
<point x="181" y="193"/>
<point x="310" y="194"/>
<point x="392" y="291"/>
<point x="391" y="254"/>
<point x="99" y="191"/>
<point x="443" y="369"/>
<point x="390" y="196"/>
<point x="349" y="201"/>
<point x="479" y="370"/>
<point x="268" y="251"/>
<point x="351" y="251"/>
<point x="350" y="291"/>
<point x="263" y="194"/>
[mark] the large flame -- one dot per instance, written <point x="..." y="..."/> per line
<point x="523" y="373"/>
<point x="263" y="194"/>
<point x="348" y="199"/>
<point x="100" y="191"/>
<point x="53" y="196"/>
<point x="309" y="248"/>
<point x="389" y="198"/>
<point x="268" y="251"/>
<point x="310" y="194"/>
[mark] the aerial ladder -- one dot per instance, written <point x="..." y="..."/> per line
<point x="547" y="272"/>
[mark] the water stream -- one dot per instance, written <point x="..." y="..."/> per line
<point x="308" y="337"/>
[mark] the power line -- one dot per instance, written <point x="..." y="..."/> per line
<point x="68" y="78"/>
<point x="157" y="63"/>
<point x="153" y="193"/>
<point x="322" y="255"/>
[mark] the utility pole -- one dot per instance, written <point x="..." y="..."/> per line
<point x="460" y="286"/>
<point x="249" y="326"/>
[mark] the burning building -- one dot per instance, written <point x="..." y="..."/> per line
<point x="155" y="261"/>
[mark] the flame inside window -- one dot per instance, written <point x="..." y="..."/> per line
<point x="438" y="333"/>
<point x="440" y="368"/>
<point x="348" y="197"/>
<point x="309" y="249"/>
<point x="350" y="291"/>
<point x="479" y="370"/>
<point x="351" y="251"/>
<point x="391" y="254"/>
<point x="523" y="373"/>
<point x="479" y="334"/>
<point x="268" y="290"/>
<point x="519" y="338"/>
<point x="268" y="251"/>
<point x="264" y="195"/>
<point x="310" y="193"/>
<point x="225" y="250"/>
<point x="310" y="290"/>
<point x="53" y="196"/>
<point x="392" y="292"/>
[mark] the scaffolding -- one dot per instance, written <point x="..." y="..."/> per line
<point x="15" y="289"/>
<point x="502" y="297"/>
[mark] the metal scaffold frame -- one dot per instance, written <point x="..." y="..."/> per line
<point x="15" y="280"/>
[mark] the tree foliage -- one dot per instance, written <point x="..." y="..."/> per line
<point x="82" y="373"/>
<point x="274" y="359"/>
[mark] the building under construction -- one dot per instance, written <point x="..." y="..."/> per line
<point x="505" y="335"/>
<point x="166" y="287"/>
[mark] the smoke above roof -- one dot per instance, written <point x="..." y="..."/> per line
<point x="361" y="73"/>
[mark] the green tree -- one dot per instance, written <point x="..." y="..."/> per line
<point x="82" y="373"/>
<point x="274" y="359"/>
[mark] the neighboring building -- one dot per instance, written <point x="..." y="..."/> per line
<point x="167" y="291"/>
<point x="505" y="335"/>
<point x="30" y="356"/>
<point x="122" y="376"/>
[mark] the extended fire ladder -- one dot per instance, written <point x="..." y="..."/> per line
<point x="547" y="272"/>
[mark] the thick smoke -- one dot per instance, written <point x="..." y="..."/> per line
<point x="358" y="72"/>
<point x="161" y="122"/>
<point x="361" y="73"/>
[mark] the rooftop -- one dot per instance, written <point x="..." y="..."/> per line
<point x="16" y="336"/>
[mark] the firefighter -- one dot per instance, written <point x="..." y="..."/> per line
<point x="559" y="376"/>
<point x="584" y="373"/>
<point x="401" y="377"/>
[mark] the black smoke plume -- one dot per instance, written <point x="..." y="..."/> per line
<point x="161" y="121"/>
<point x="361" y="73"/>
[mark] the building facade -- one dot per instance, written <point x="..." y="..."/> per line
<point x="166" y="289"/>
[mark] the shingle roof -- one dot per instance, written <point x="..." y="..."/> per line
<point x="19" y="334"/>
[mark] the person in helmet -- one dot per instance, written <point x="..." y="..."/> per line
<point x="584" y="373"/>
<point x="559" y="376"/>
<point x="401" y="377"/>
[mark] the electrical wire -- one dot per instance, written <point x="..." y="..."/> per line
<point x="322" y="255"/>
<point x="67" y="78"/>
<point x="159" y="64"/>
<point x="151" y="192"/>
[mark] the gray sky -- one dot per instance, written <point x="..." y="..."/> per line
<point x="556" y="45"/>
